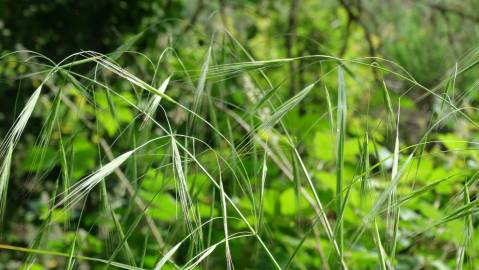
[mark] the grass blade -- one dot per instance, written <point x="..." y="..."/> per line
<point x="286" y="107"/>
<point x="153" y="104"/>
<point x="4" y="176"/>
<point x="167" y="256"/>
<point x="340" y="136"/>
<point x="229" y="262"/>
<point x="82" y="187"/>
<point x="9" y="143"/>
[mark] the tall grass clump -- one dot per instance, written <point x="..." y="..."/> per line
<point x="209" y="163"/>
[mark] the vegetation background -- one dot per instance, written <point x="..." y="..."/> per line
<point x="255" y="134"/>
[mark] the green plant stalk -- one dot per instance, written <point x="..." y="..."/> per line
<point x="340" y="136"/>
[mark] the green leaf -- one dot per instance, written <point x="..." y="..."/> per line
<point x="291" y="203"/>
<point x="164" y="207"/>
<point x="452" y="141"/>
<point x="39" y="158"/>
<point x="324" y="146"/>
